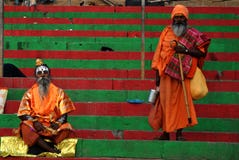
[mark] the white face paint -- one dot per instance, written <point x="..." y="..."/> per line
<point x="42" y="70"/>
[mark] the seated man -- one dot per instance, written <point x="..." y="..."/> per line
<point x="43" y="112"/>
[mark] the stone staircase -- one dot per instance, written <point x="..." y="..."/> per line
<point x="95" y="55"/>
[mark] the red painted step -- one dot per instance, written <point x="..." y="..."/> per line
<point x="124" y="74"/>
<point x="127" y="109"/>
<point x="111" y="84"/>
<point x="207" y="22"/>
<point x="144" y="135"/>
<point x="97" y="33"/>
<point x="102" y="55"/>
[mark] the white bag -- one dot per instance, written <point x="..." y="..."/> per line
<point x="3" y="97"/>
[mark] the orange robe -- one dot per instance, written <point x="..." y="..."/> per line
<point x="46" y="110"/>
<point x="171" y="106"/>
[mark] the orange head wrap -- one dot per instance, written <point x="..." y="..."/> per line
<point x="180" y="10"/>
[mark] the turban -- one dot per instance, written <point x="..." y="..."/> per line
<point x="180" y="10"/>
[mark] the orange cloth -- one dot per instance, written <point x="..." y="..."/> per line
<point x="164" y="51"/>
<point x="30" y="137"/>
<point x="46" y="110"/>
<point x="172" y="104"/>
<point x="180" y="10"/>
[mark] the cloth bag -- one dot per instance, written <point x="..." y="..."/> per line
<point x="198" y="85"/>
<point x="173" y="67"/>
<point x="154" y="117"/>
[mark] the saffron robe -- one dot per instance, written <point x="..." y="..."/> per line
<point x="171" y="104"/>
<point x="45" y="110"/>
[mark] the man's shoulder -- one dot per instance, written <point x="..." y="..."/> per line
<point x="33" y="86"/>
<point x="168" y="27"/>
<point x="53" y="86"/>
<point x="194" y="30"/>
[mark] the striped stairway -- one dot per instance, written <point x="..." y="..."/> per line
<point x="70" y="40"/>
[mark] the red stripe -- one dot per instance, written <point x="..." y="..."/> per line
<point x="93" y="55"/>
<point x="127" y="109"/>
<point x="101" y="55"/>
<point x="194" y="10"/>
<point x="93" y="33"/>
<point x="82" y="83"/>
<point x="149" y="74"/>
<point x="92" y="73"/>
<point x="73" y="33"/>
<point x="37" y="21"/>
<point x="47" y="8"/>
<point x="146" y="135"/>
<point x="223" y="75"/>
<point x="190" y="136"/>
<point x="206" y="22"/>
<point x="148" y="9"/>
<point x="110" y="84"/>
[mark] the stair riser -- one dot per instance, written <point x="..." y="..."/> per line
<point x="127" y="109"/>
<point x="144" y="135"/>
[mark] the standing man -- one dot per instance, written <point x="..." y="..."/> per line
<point x="177" y="38"/>
<point x="43" y="112"/>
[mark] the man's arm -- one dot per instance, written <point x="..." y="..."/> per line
<point x="37" y="125"/>
<point x="193" y="52"/>
<point x="25" y="117"/>
<point x="157" y="80"/>
<point x="61" y="120"/>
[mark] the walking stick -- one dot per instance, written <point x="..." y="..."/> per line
<point x="184" y="88"/>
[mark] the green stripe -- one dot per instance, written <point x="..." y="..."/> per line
<point x="112" y="15"/>
<point x="124" y="95"/>
<point x="81" y="46"/>
<point x="131" y="123"/>
<point x="72" y="15"/>
<point x="85" y="64"/>
<point x="226" y="29"/>
<point x="110" y="27"/>
<point x="111" y="64"/>
<point x="154" y="149"/>
<point x="215" y="41"/>
<point x="103" y="148"/>
<point x="95" y="44"/>
<point x="130" y="44"/>
<point x="72" y="26"/>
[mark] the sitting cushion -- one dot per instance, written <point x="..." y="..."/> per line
<point x="14" y="146"/>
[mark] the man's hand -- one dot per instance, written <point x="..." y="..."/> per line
<point x="180" y="49"/>
<point x="54" y="125"/>
<point x="38" y="126"/>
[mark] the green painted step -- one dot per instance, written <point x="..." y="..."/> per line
<point x="165" y="150"/>
<point x="113" y="15"/>
<point x="124" y="95"/>
<point x="122" y="44"/>
<point x="154" y="149"/>
<point x="215" y="41"/>
<point x="116" y="27"/>
<point x="119" y="44"/>
<point x="131" y="123"/>
<point x="110" y="64"/>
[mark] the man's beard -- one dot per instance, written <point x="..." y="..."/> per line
<point x="179" y="28"/>
<point x="43" y="83"/>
